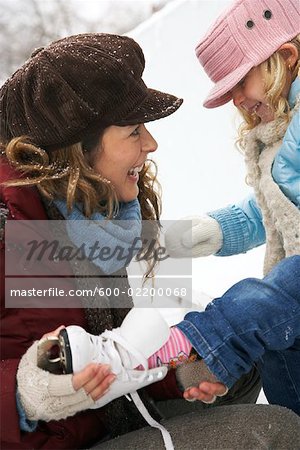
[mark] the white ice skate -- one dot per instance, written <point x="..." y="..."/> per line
<point x="142" y="333"/>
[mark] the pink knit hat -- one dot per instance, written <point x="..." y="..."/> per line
<point x="245" y="35"/>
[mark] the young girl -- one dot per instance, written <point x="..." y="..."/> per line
<point x="252" y="54"/>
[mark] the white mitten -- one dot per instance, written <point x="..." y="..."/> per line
<point x="194" y="236"/>
<point x="45" y="396"/>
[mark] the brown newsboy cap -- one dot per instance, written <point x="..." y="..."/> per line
<point x="77" y="85"/>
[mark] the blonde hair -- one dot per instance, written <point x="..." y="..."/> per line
<point x="274" y="72"/>
<point x="66" y="174"/>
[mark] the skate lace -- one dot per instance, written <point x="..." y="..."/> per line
<point x="109" y="338"/>
<point x="108" y="348"/>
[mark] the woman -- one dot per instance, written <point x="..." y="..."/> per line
<point x="74" y="143"/>
<point x="73" y="136"/>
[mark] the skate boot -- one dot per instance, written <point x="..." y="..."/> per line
<point x="141" y="334"/>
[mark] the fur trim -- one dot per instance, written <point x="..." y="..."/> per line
<point x="281" y="217"/>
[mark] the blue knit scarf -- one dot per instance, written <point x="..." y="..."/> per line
<point x="117" y="240"/>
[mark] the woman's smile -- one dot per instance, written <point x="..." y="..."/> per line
<point x="133" y="173"/>
<point x="121" y="157"/>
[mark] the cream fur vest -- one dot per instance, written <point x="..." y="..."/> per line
<point x="281" y="217"/>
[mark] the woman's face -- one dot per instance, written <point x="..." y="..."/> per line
<point x="121" y="156"/>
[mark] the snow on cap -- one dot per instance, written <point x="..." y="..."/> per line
<point x="77" y="85"/>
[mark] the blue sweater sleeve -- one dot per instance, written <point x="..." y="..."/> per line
<point x="241" y="225"/>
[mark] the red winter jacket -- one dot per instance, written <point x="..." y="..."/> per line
<point x="21" y="327"/>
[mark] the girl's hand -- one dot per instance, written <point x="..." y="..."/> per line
<point x="194" y="236"/>
<point x="206" y="392"/>
<point x="95" y="379"/>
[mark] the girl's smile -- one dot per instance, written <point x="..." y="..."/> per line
<point x="249" y="94"/>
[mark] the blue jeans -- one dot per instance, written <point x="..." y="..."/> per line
<point x="254" y="322"/>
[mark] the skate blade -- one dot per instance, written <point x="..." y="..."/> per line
<point x="45" y="360"/>
<point x="62" y="363"/>
<point x="65" y="353"/>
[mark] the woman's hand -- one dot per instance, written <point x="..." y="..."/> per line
<point x="206" y="392"/>
<point x="46" y="396"/>
<point x="95" y="379"/>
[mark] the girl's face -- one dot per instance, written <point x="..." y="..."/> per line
<point x="249" y="94"/>
<point x="121" y="156"/>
